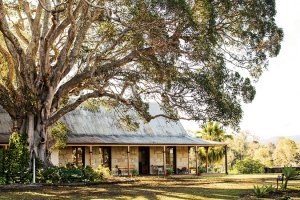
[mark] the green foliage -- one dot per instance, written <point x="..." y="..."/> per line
<point x="289" y="172"/>
<point x="215" y="132"/>
<point x="170" y="171"/>
<point x="200" y="58"/>
<point x="260" y="191"/>
<point x="2" y="180"/>
<point x="135" y="172"/>
<point x="2" y="159"/>
<point x="103" y="172"/>
<point x="285" y="152"/>
<point x="201" y="169"/>
<point x="264" y="190"/>
<point x="59" y="132"/>
<point x="285" y="197"/>
<point x="248" y="166"/>
<point x="16" y="162"/>
<point x="72" y="174"/>
<point x="49" y="175"/>
<point x="127" y="122"/>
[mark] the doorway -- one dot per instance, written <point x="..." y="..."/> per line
<point x="144" y="160"/>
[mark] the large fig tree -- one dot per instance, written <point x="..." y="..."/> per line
<point x="197" y="58"/>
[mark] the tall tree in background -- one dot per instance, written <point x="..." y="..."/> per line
<point x="285" y="152"/>
<point x="186" y="55"/>
<point x="215" y="132"/>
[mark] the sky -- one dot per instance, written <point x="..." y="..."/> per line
<point x="275" y="110"/>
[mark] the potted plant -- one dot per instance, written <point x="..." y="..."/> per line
<point x="170" y="171"/>
<point x="201" y="170"/>
<point x="135" y="172"/>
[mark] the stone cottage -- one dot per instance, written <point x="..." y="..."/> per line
<point x="96" y="138"/>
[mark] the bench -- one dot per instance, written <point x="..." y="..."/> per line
<point x="76" y="175"/>
<point x="122" y="171"/>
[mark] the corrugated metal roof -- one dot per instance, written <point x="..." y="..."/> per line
<point x="104" y="122"/>
<point x="102" y="127"/>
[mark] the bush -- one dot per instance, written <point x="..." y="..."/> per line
<point x="102" y="172"/>
<point x="2" y="160"/>
<point x="90" y="175"/>
<point x="289" y="173"/>
<point x="2" y="180"/>
<point x="249" y="166"/>
<point x="201" y="169"/>
<point x="261" y="191"/>
<point x="50" y="175"/>
<point x="16" y="170"/>
<point x="170" y="171"/>
<point x="135" y="172"/>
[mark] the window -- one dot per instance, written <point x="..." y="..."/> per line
<point x="79" y="156"/>
<point x="105" y="156"/>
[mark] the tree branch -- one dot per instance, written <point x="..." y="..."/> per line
<point x="58" y="114"/>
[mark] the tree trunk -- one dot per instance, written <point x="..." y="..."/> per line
<point x="37" y="138"/>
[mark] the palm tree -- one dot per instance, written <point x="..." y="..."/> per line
<point x="212" y="131"/>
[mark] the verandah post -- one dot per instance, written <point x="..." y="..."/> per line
<point x="196" y="154"/>
<point x="128" y="160"/>
<point x="188" y="165"/>
<point x="91" y="155"/>
<point x="164" y="160"/>
<point x="226" y="165"/>
<point x="206" y="150"/>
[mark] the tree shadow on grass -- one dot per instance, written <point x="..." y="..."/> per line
<point x="128" y="192"/>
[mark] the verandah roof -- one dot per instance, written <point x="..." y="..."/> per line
<point x="140" y="140"/>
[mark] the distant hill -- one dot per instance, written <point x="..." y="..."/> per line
<point x="274" y="140"/>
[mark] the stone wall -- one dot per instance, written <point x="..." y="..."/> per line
<point x="182" y="156"/>
<point x="156" y="158"/>
<point x="65" y="156"/>
<point x="119" y="157"/>
<point x="55" y="157"/>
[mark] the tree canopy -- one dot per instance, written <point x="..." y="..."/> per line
<point x="198" y="58"/>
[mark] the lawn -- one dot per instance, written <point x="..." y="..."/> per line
<point x="176" y="187"/>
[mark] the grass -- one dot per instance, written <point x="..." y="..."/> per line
<point x="175" y="187"/>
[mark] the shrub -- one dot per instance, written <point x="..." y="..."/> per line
<point x="249" y="166"/>
<point x="201" y="169"/>
<point x="288" y="172"/>
<point x="90" y="175"/>
<point x="2" y="180"/>
<point x="50" y="175"/>
<point x="264" y="190"/>
<point x="170" y="171"/>
<point x="2" y="163"/>
<point x="135" y="172"/>
<point x="102" y="172"/>
<point x="260" y="191"/>
<point x="16" y="170"/>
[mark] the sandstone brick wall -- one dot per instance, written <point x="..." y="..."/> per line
<point x="156" y="158"/>
<point x="119" y="157"/>
<point x="182" y="157"/>
<point x="65" y="156"/>
<point x="55" y="157"/>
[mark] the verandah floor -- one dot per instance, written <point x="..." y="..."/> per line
<point x="153" y="187"/>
